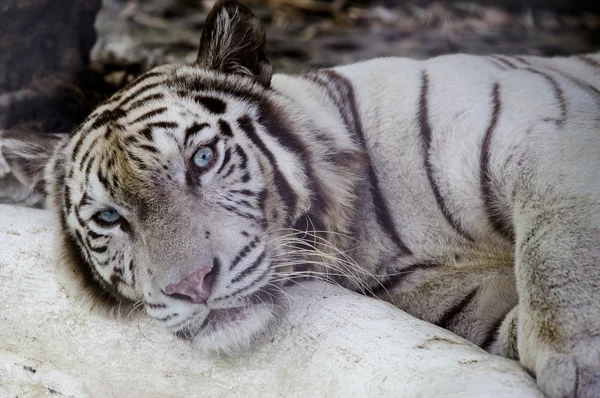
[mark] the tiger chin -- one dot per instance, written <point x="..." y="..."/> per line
<point x="463" y="189"/>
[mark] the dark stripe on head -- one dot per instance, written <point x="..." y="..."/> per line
<point x="275" y="124"/>
<point x="448" y="317"/>
<point x="212" y="104"/>
<point x="106" y="117"/>
<point x="284" y="189"/>
<point x="490" y="201"/>
<point x="85" y="272"/>
<point x="133" y="95"/>
<point x="425" y="131"/>
<point x="247" y="287"/>
<point x="193" y="130"/>
<point x="243" y="157"/>
<point x="148" y="148"/>
<point x="225" y="128"/>
<point x="67" y="198"/>
<point x="147" y="133"/>
<point x="149" y="115"/>
<point x="250" y="269"/>
<point x="163" y="125"/>
<point x="77" y="147"/>
<point x="226" y="158"/>
<point x="143" y="101"/>
<point x="237" y="212"/>
<point x="243" y="253"/>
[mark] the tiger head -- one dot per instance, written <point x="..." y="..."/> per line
<point x="180" y="190"/>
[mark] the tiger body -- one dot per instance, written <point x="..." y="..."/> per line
<point x="463" y="189"/>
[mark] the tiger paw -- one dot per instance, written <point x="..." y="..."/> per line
<point x="575" y="374"/>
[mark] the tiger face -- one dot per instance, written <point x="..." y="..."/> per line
<point x="176" y="191"/>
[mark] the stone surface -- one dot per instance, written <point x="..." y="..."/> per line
<point x="331" y="342"/>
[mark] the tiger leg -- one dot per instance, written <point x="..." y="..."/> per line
<point x="558" y="280"/>
<point x="477" y="301"/>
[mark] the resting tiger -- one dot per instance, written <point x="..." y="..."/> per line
<point x="464" y="189"/>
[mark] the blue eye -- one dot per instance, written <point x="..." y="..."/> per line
<point x="203" y="157"/>
<point x="108" y="216"/>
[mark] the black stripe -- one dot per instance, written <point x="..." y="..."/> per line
<point x="168" y="317"/>
<point x="504" y="61"/>
<point x="383" y="288"/>
<point x="558" y="93"/>
<point x="144" y="101"/>
<point x="245" y="192"/>
<point x="147" y="133"/>
<point x="193" y="130"/>
<point x="448" y="317"/>
<point x="67" y="198"/>
<point x="149" y="115"/>
<point x="155" y="305"/>
<point x="225" y="128"/>
<point x="106" y="117"/>
<point x="490" y="202"/>
<point x="132" y="272"/>
<point x="229" y="171"/>
<point x="284" y="189"/>
<point x="93" y="234"/>
<point x="522" y="60"/>
<point x="243" y="289"/>
<point x="243" y="253"/>
<point x="194" y="83"/>
<point x="237" y="212"/>
<point x="243" y="157"/>
<point x="425" y="131"/>
<point x="251" y="268"/>
<point x="384" y="217"/>
<point x="136" y="93"/>
<point x="589" y="61"/>
<point x="226" y="158"/>
<point x="277" y="127"/>
<point x="493" y="332"/>
<point x="99" y="249"/>
<point x="163" y="125"/>
<point x="141" y="78"/>
<point x="148" y="148"/>
<point x="77" y="148"/>
<point x="212" y="104"/>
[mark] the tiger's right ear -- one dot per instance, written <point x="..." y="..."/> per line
<point x="27" y="154"/>
<point x="233" y="41"/>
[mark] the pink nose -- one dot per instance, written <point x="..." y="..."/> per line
<point x="195" y="287"/>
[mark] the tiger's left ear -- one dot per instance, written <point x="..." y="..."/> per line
<point x="233" y="41"/>
<point x="27" y="155"/>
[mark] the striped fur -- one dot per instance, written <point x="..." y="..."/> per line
<point x="463" y="189"/>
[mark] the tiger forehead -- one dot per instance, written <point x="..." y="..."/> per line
<point x="161" y="100"/>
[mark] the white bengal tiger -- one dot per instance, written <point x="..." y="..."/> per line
<point x="464" y="189"/>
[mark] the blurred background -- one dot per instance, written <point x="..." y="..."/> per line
<point x="60" y="58"/>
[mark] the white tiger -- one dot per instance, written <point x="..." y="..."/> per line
<point x="464" y="189"/>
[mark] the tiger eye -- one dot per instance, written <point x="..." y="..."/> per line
<point x="203" y="157"/>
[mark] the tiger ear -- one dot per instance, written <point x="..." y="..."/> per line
<point x="27" y="154"/>
<point x="233" y="41"/>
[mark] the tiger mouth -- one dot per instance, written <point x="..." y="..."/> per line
<point x="230" y="318"/>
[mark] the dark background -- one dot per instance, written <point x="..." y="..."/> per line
<point x="60" y="58"/>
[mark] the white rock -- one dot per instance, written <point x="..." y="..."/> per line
<point x="330" y="343"/>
